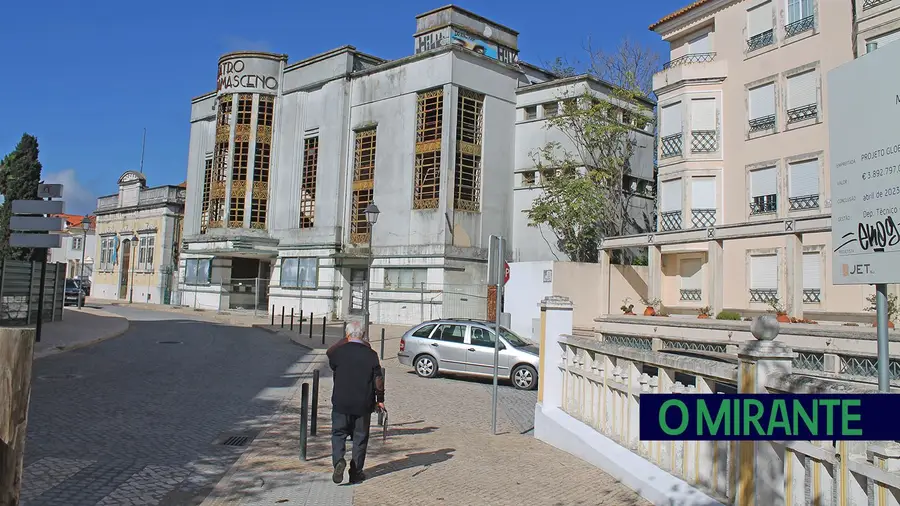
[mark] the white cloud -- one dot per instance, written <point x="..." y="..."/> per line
<point x="78" y="198"/>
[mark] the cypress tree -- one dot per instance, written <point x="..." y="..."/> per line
<point x="20" y="174"/>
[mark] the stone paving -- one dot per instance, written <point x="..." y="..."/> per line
<point x="78" y="328"/>
<point x="439" y="450"/>
<point x="139" y="419"/>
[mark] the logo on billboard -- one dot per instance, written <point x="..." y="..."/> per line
<point x="232" y="75"/>
<point x="856" y="269"/>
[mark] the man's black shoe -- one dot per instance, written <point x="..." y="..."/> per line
<point x="338" y="475"/>
<point x="356" y="478"/>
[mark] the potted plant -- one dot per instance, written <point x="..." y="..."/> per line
<point x="780" y="314"/>
<point x="703" y="312"/>
<point x="627" y="307"/>
<point x="891" y="308"/>
<point x="651" y="305"/>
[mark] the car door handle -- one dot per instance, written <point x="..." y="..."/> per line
<point x="471" y="349"/>
<point x="434" y="344"/>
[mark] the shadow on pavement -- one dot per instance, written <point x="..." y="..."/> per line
<point x="422" y="459"/>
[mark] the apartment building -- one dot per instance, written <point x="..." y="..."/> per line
<point x="286" y="157"/>
<point x="77" y="244"/>
<point x="743" y="154"/>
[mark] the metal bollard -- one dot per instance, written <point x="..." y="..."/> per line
<point x="344" y="331"/>
<point x="314" y="415"/>
<point x="273" y="315"/>
<point x="304" y="412"/>
<point x="381" y="413"/>
<point x="292" y="318"/>
<point x="310" y="324"/>
<point x="382" y="343"/>
<point x="282" y="316"/>
<point x="300" y="325"/>
<point x="323" y="329"/>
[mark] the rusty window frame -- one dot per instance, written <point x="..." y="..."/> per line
<point x="469" y="134"/>
<point x="429" y="129"/>
<point x="207" y="186"/>
<point x="363" y="183"/>
<point x="244" y="109"/>
<point x="308" y="182"/>
<point x="265" y="110"/>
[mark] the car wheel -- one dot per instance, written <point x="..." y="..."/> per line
<point x="426" y="366"/>
<point x="524" y="377"/>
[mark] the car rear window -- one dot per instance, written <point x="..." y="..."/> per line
<point x="425" y="331"/>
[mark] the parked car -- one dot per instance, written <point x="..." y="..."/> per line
<point x="85" y="286"/>
<point x="73" y="292"/>
<point x="466" y="347"/>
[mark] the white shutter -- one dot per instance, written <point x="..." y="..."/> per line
<point x="671" y="195"/>
<point x="812" y="270"/>
<point x="883" y="40"/>
<point x="703" y="114"/>
<point x="699" y="45"/>
<point x="804" y="178"/>
<point x="802" y="89"/>
<point x="762" y="182"/>
<point x="703" y="193"/>
<point x="762" y="101"/>
<point x="764" y="272"/>
<point x="690" y="272"/>
<point x="759" y="19"/>
<point x="671" y="119"/>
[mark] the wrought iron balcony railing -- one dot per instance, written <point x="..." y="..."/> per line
<point x="689" y="59"/>
<point x="670" y="220"/>
<point x="868" y="4"/>
<point x="799" y="26"/>
<point x="671" y="146"/>
<point x="761" y="40"/>
<point x="704" y="141"/>
<point x="802" y="113"/>
<point x="812" y="295"/>
<point x="703" y="218"/>
<point x="763" y="295"/>
<point x="762" y="123"/>
<point x="691" y="294"/>
<point x="804" y="202"/>
<point x="764" y="204"/>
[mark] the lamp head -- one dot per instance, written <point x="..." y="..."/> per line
<point x="372" y="213"/>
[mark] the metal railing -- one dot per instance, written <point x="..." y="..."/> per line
<point x="702" y="218"/>
<point x="804" y="202"/>
<point x="763" y="295"/>
<point x="691" y="294"/>
<point x="761" y="40"/>
<point x="812" y="295"/>
<point x="762" y="123"/>
<point x="704" y="141"/>
<point x="670" y="220"/>
<point x="802" y="113"/>
<point x="764" y="204"/>
<point x="868" y="4"/>
<point x="799" y="26"/>
<point x="689" y="59"/>
<point x="20" y="289"/>
<point x="671" y="145"/>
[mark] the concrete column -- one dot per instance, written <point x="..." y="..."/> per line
<point x="793" y="276"/>
<point x="715" y="278"/>
<point x="760" y="481"/>
<point x="604" y="282"/>
<point x="654" y="262"/>
<point x="556" y="321"/>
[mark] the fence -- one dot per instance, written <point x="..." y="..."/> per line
<point x="20" y="287"/>
<point x="601" y="382"/>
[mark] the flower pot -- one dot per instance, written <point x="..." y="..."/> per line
<point x="649" y="311"/>
<point x="703" y="316"/>
<point x="890" y="324"/>
<point x="783" y="318"/>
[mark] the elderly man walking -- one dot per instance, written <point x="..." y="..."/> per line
<point x="358" y="392"/>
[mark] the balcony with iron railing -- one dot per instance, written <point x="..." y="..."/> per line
<point x="812" y="295"/>
<point x="799" y="26"/>
<point x="803" y="113"/>
<point x="691" y="67"/>
<point x="670" y="220"/>
<point x="762" y="124"/>
<point x="691" y="294"/>
<point x="763" y="295"/>
<point x="671" y="146"/>
<point x="703" y="218"/>
<point x="704" y="141"/>
<point x="868" y="4"/>
<point x="761" y="40"/>
<point x="689" y="59"/>
<point x="764" y="204"/>
<point x="804" y="202"/>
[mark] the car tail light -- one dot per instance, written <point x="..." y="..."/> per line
<point x="402" y="344"/>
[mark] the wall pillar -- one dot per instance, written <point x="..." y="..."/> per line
<point x="793" y="276"/>
<point x="654" y="281"/>
<point x="715" y="278"/>
<point x="605" y="282"/>
<point x="556" y="321"/>
<point x="760" y="474"/>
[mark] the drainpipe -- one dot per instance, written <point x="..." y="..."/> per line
<point x="854" y="30"/>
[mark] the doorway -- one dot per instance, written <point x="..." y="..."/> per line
<point x="124" y="268"/>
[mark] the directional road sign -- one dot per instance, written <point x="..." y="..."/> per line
<point x="20" y="240"/>
<point x="49" y="191"/>
<point x="38" y="206"/>
<point x="35" y="224"/>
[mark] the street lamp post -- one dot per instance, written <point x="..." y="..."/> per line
<point x="85" y="228"/>
<point x="372" y="213"/>
<point x="134" y="244"/>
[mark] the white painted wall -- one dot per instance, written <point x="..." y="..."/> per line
<point x="524" y="292"/>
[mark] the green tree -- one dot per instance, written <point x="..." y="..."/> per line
<point x="20" y="174"/>
<point x="586" y="186"/>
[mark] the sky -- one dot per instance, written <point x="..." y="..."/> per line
<point x="87" y="77"/>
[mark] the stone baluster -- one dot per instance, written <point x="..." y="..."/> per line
<point x="655" y="456"/>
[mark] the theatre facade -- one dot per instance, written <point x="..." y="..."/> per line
<point x="285" y="158"/>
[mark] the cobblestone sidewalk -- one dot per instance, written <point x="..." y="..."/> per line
<point x="439" y="450"/>
<point x="78" y="328"/>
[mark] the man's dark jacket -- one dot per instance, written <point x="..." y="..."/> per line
<point x="358" y="381"/>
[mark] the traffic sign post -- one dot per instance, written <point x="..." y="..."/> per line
<point x="496" y="252"/>
<point x="32" y="228"/>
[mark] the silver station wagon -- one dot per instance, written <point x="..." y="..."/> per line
<point x="466" y="347"/>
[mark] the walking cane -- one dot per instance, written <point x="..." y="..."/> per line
<point x="384" y="427"/>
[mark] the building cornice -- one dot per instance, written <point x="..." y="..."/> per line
<point x="467" y="13"/>
<point x="254" y="54"/>
<point x="581" y="78"/>
<point x="688" y="15"/>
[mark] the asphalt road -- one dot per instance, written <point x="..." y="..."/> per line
<point x="140" y="419"/>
